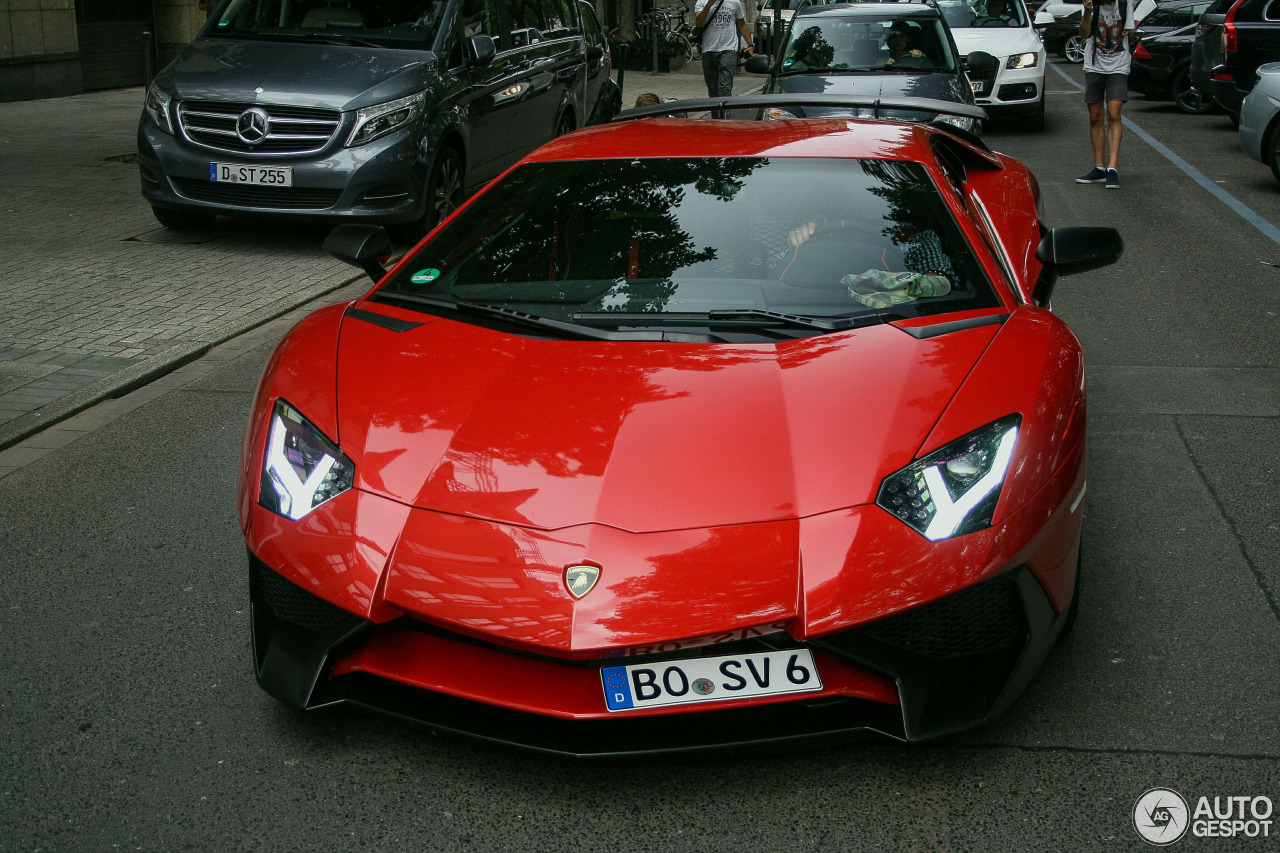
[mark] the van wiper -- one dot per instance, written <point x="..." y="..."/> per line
<point x="446" y="307"/>
<point x="306" y="38"/>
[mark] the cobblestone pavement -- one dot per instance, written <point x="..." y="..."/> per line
<point x="99" y="298"/>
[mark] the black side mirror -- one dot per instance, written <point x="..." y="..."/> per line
<point x="480" y="50"/>
<point x="980" y="62"/>
<point x="361" y="246"/>
<point x="1066" y="251"/>
<point x="595" y="53"/>
<point x="758" y="64"/>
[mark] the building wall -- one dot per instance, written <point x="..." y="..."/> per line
<point x="39" y="54"/>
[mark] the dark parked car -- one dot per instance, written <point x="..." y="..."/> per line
<point x="1169" y="16"/>
<point x="1063" y="35"/>
<point x="845" y="50"/>
<point x="1162" y="65"/>
<point x="1232" y="39"/>
<point x="387" y="111"/>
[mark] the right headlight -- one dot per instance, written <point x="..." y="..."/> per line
<point x="777" y="114"/>
<point x="301" y="468"/>
<point x="157" y="106"/>
<point x="381" y="119"/>
<point x="963" y="122"/>
<point x="953" y="490"/>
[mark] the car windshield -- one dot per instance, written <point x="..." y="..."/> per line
<point x="863" y="43"/>
<point x="961" y="14"/>
<point x="656" y="241"/>
<point x="382" y="23"/>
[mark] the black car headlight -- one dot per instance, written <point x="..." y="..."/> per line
<point x="953" y="490"/>
<point x="157" y="107"/>
<point x="381" y="119"/>
<point x="301" y="469"/>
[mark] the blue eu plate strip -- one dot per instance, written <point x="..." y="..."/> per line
<point x="617" y="688"/>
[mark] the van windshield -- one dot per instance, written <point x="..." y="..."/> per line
<point x="383" y="23"/>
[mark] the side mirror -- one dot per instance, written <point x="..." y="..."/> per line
<point x="980" y="62"/>
<point x="757" y="64"/>
<point x="1042" y="19"/>
<point x="361" y="246"/>
<point x="1067" y="251"/>
<point x="595" y="53"/>
<point x="480" y="50"/>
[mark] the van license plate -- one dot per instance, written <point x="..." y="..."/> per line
<point x="259" y="176"/>
<point x="710" y="679"/>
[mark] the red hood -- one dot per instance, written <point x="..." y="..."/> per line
<point x="638" y="436"/>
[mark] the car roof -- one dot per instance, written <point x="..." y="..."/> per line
<point x="873" y="10"/>
<point x="843" y="137"/>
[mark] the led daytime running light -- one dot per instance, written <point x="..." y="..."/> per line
<point x="301" y="468"/>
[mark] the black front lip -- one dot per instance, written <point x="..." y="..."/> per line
<point x="944" y="685"/>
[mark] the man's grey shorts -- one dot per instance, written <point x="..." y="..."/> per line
<point x="1099" y="88"/>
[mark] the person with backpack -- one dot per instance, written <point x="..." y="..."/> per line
<point x="1107" y="24"/>
<point x="720" y="22"/>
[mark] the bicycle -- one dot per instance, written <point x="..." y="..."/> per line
<point x="679" y="26"/>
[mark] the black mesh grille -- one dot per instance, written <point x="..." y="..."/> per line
<point x="979" y="619"/>
<point x="281" y="198"/>
<point x="291" y="603"/>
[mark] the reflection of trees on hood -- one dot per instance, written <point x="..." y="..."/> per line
<point x="591" y="223"/>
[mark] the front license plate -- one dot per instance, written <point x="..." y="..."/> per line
<point x="716" y="679"/>
<point x="261" y="176"/>
<point x="979" y="86"/>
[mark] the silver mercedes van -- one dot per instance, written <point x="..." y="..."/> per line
<point x="387" y="111"/>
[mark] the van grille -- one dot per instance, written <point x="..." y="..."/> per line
<point x="278" y="198"/>
<point x="290" y="130"/>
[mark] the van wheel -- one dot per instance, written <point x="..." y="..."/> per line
<point x="183" y="220"/>
<point x="565" y="125"/>
<point x="444" y="195"/>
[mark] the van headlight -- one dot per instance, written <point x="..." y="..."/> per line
<point x="963" y="122"/>
<point x="157" y="106"/>
<point x="301" y="468"/>
<point x="373" y="122"/>
<point x="954" y="490"/>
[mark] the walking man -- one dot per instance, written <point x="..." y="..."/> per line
<point x="722" y="21"/>
<point x="1107" y="24"/>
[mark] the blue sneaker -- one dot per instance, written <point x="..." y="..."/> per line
<point x="1096" y="175"/>
<point x="1113" y="179"/>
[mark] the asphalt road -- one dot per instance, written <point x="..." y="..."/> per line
<point x="129" y="718"/>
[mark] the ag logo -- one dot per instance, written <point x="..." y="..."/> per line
<point x="580" y="579"/>
<point x="1161" y="816"/>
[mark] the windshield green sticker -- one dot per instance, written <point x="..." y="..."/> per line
<point x="425" y="276"/>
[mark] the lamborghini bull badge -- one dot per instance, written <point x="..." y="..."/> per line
<point x="580" y="579"/>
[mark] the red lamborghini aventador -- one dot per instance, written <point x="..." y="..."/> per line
<point x="684" y="433"/>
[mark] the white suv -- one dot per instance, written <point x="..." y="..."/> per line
<point x="1004" y="29"/>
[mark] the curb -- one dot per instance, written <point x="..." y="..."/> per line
<point x="145" y="372"/>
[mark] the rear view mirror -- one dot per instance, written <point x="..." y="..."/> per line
<point x="757" y="64"/>
<point x="980" y="62"/>
<point x="480" y="50"/>
<point x="1066" y="251"/>
<point x="1042" y="19"/>
<point x="361" y="246"/>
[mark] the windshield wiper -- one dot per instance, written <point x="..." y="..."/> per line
<point x="307" y="38"/>
<point x="511" y="315"/>
<point x="732" y="317"/>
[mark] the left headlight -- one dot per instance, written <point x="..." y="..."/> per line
<point x="301" y="469"/>
<point x="777" y="114"/>
<point x="373" y="122"/>
<point x="1022" y="60"/>
<point x="963" y="122"/>
<point x="157" y="106"/>
<point x="953" y="490"/>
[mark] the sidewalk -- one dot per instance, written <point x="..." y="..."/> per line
<point x="99" y="299"/>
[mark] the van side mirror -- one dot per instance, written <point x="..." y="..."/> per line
<point x="1066" y="251"/>
<point x="480" y="50"/>
<point x="595" y="53"/>
<point x="362" y="246"/>
<point x="757" y="64"/>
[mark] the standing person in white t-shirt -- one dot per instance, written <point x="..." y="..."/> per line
<point x="1107" y="24"/>
<point x="722" y="21"/>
